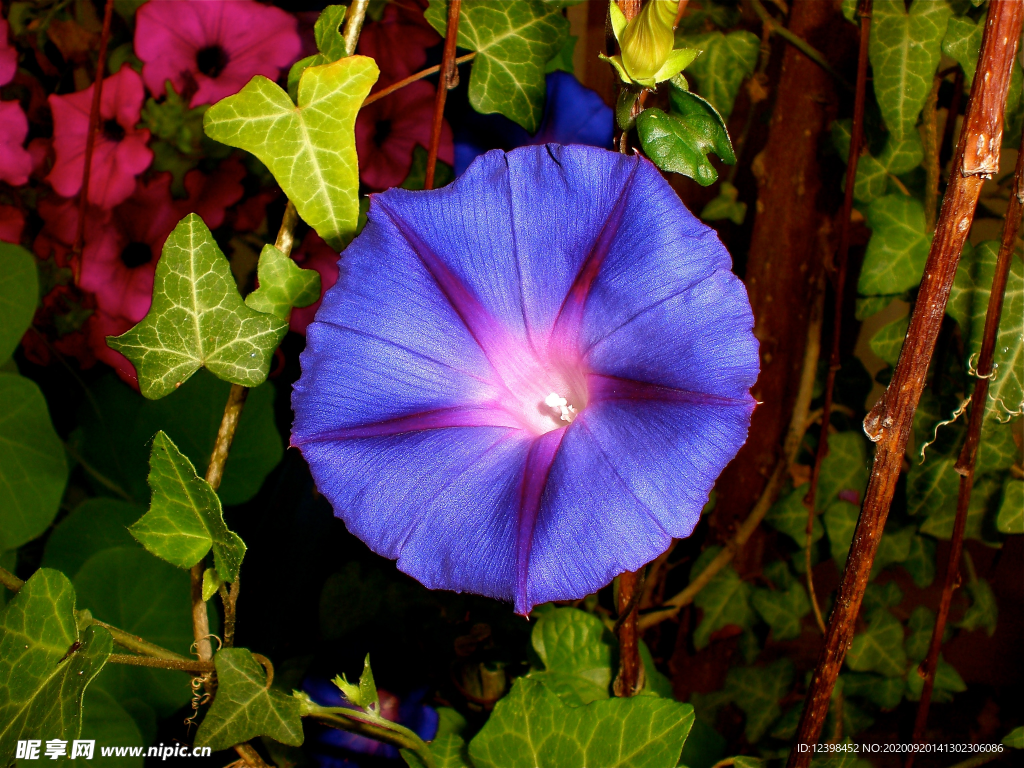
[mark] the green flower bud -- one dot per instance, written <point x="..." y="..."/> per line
<point x="647" y="40"/>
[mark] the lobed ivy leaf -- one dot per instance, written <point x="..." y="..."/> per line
<point x="310" y="149"/>
<point x="106" y="722"/>
<point x="983" y="612"/>
<point x="920" y="563"/>
<point x="33" y="469"/>
<point x="576" y="654"/>
<point x="43" y="675"/>
<point x="563" y="60"/>
<point x="328" y="32"/>
<point x="905" y="48"/>
<point x="840" y="522"/>
<point x="532" y="728"/>
<point x="893" y="548"/>
<point x="94" y="525"/>
<point x="725" y="206"/>
<point x="681" y="141"/>
<point x="947" y="682"/>
<point x="789" y="515"/>
<point x="19" y="293"/>
<point x="1015" y="738"/>
<point x="448" y="751"/>
<point x="897" y="157"/>
<point x="513" y="43"/>
<point x="1011" y="510"/>
<point x="147" y="597"/>
<point x="887" y="595"/>
<point x="725" y="61"/>
<point x="997" y="450"/>
<point x="782" y="609"/>
<point x="283" y="284"/>
<point x="185" y="518"/>
<point x="933" y="485"/>
<point x="898" y="248"/>
<point x="984" y="499"/>
<point x="879" y="648"/>
<point x="198" y="319"/>
<point x="888" y="342"/>
<point x="725" y="600"/>
<point x="116" y="425"/>
<point x="757" y="691"/>
<point x="845" y="468"/>
<point x="920" y="626"/>
<point x="246" y="707"/>
<point x="884" y="692"/>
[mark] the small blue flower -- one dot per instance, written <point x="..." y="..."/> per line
<point x="573" y="114"/>
<point x="527" y="382"/>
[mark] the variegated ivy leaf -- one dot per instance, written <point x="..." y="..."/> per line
<point x="905" y="49"/>
<point x="888" y="342"/>
<point x="980" y="511"/>
<point x="198" y="319"/>
<point x="757" y="691"/>
<point x="725" y="601"/>
<point x="898" y="249"/>
<point x="726" y="60"/>
<point x="311" y="148"/>
<point x="513" y="42"/>
<point x="1011" y="508"/>
<point x="879" y="648"/>
<point x="185" y="518"/>
<point x="283" y="285"/>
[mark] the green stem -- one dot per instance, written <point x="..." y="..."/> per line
<point x="136" y="644"/>
<point x="375" y="727"/>
<point x="799" y="43"/>
<point x="10" y="581"/>
<point x="187" y="665"/>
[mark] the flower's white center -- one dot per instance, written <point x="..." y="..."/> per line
<point x="560" y="406"/>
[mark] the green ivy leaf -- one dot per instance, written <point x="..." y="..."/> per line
<point x="920" y="625"/>
<point x="94" y="525"/>
<point x="757" y="691"/>
<point x="947" y="682"/>
<point x="879" y="648"/>
<point x="725" y="206"/>
<point x="197" y="319"/>
<point x="888" y="342"/>
<point x="898" y="248"/>
<point x="133" y="590"/>
<point x="363" y="694"/>
<point x="680" y="142"/>
<point x="109" y="724"/>
<point x="884" y="692"/>
<point x="845" y="468"/>
<point x="933" y="485"/>
<point x="328" y="32"/>
<point x="725" y="600"/>
<point x="1015" y="738"/>
<point x="33" y="470"/>
<point x="789" y="515"/>
<point x="246" y="707"/>
<point x="576" y="654"/>
<point x="984" y="499"/>
<point x="116" y="425"/>
<point x="876" y="596"/>
<point x="782" y="609"/>
<point x="563" y="60"/>
<point x="443" y="173"/>
<point x="19" y="293"/>
<point x="1011" y="510"/>
<point x="532" y="728"/>
<point x="840" y="521"/>
<point x="283" y="284"/>
<point x="185" y="518"/>
<point x="904" y="50"/>
<point x="893" y="548"/>
<point x="211" y="583"/>
<point x="726" y="60"/>
<point x="983" y="612"/>
<point x="448" y="751"/>
<point x="310" y="149"/>
<point x="997" y="450"/>
<point x="513" y="42"/>
<point x="920" y="563"/>
<point x="873" y="173"/>
<point x="43" y="675"/>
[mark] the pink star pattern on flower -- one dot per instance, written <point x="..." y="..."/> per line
<point x="211" y="49"/>
<point x="119" y="153"/>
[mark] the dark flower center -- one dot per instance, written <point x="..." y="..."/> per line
<point x="112" y="130"/>
<point x="136" y="254"/>
<point x="381" y="132"/>
<point x="211" y="60"/>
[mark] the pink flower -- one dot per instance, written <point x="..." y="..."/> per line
<point x="102" y="325"/>
<point x="8" y="56"/>
<point x="398" y="42"/>
<point x="314" y="253"/>
<point x="60" y="225"/>
<point x="122" y="248"/>
<point x="12" y="223"/>
<point x="251" y="212"/>
<point x="119" y="153"/>
<point x="388" y="130"/>
<point x="15" y="161"/>
<point x="211" y="49"/>
<point x="210" y="195"/>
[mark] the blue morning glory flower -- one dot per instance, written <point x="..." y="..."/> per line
<point x="573" y="114"/>
<point x="527" y="382"/>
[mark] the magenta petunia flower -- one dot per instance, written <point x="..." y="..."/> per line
<point x="8" y="55"/>
<point x="12" y="223"/>
<point x="15" y="160"/>
<point x="122" y="248"/>
<point x="388" y="130"/>
<point x="211" y="48"/>
<point x="527" y="382"/>
<point x="119" y="150"/>
<point x="102" y="325"/>
<point x="210" y="195"/>
<point x="314" y="253"/>
<point x="398" y="42"/>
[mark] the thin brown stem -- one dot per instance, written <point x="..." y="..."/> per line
<point x="629" y="679"/>
<point x="137" y="645"/>
<point x="839" y="288"/>
<point x="798" y="42"/>
<point x="354" y="18"/>
<point x="412" y="79"/>
<point x="229" y="599"/>
<point x="930" y="141"/>
<point x="890" y="422"/>
<point x="286" y="234"/>
<point x="679" y="13"/>
<point x="449" y="79"/>
<point x="90" y="137"/>
<point x="790" y="447"/>
<point x="251" y="757"/>
<point x="186" y="665"/>
<point x="969" y="453"/>
<point x="10" y="581"/>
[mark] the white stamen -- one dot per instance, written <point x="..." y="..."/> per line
<point x="561" y="405"/>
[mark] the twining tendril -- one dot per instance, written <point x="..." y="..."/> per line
<point x="935" y="432"/>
